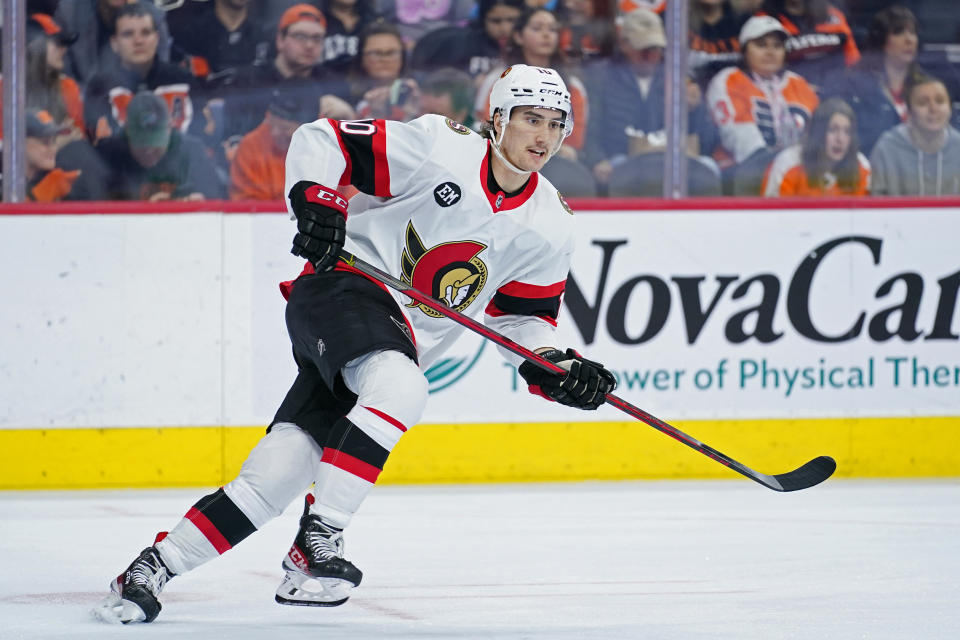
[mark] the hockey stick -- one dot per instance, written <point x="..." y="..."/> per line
<point x="810" y="474"/>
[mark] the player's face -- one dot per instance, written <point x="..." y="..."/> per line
<point x="532" y="135"/>
<point x="41" y="153"/>
<point x="839" y="136"/>
<point x="136" y="40"/>
<point x="930" y="107"/>
<point x="766" y="55"/>
<point x="383" y="56"/>
<point x="901" y="48"/>
<point x="539" y="37"/>
<point x="302" y="44"/>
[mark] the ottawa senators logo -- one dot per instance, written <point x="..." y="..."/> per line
<point x="450" y="272"/>
<point x="456" y="126"/>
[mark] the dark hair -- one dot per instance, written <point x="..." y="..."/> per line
<point x="43" y="81"/>
<point x="886" y="22"/>
<point x="378" y="28"/>
<point x="486" y="5"/>
<point x="817" y="10"/>
<point x="919" y="79"/>
<point x="514" y="52"/>
<point x="134" y="10"/>
<point x="452" y="82"/>
<point x="813" y="148"/>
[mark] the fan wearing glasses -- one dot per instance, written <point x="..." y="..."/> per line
<point x="299" y="61"/>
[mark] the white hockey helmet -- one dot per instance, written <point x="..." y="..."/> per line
<point x="526" y="86"/>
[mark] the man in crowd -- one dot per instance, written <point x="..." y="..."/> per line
<point x="137" y="67"/>
<point x="94" y="22"/>
<point x="257" y="172"/>
<point x="150" y="160"/>
<point x="299" y="41"/>
<point x="626" y="99"/>
<point x="219" y="36"/>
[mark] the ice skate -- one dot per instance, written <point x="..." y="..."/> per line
<point x="316" y="573"/>
<point x="133" y="594"/>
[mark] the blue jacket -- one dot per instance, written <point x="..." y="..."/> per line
<point x="616" y="103"/>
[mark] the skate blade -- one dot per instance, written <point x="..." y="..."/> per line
<point x="113" y="610"/>
<point x="299" y="590"/>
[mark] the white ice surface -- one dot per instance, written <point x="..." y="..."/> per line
<point x="849" y="559"/>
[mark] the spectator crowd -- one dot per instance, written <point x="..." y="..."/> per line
<point x="196" y="99"/>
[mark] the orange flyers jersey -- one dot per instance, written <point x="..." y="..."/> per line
<point x="786" y="176"/>
<point x="426" y="215"/>
<point x="749" y="119"/>
<point x="177" y="97"/>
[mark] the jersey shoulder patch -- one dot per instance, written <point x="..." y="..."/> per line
<point x="563" y="203"/>
<point x="456" y="127"/>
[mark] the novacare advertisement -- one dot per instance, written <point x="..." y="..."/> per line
<point x="176" y="320"/>
<point x="751" y="314"/>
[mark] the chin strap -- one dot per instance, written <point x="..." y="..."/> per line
<point x="496" y="149"/>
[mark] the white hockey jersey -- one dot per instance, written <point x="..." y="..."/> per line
<point x="426" y="214"/>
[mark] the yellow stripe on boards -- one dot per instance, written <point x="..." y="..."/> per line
<point x="502" y="452"/>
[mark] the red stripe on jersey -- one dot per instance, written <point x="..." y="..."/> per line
<point x="345" y="176"/>
<point x="500" y="201"/>
<point x="494" y="311"/>
<point x="381" y="169"/>
<point x="209" y="531"/>
<point x="351" y="465"/>
<point x="523" y="290"/>
<point x="387" y="417"/>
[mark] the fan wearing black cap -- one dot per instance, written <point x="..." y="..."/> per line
<point x="258" y="169"/>
<point x="151" y="160"/>
<point x="45" y="181"/>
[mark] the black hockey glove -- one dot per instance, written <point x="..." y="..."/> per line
<point x="321" y="224"/>
<point x="585" y="386"/>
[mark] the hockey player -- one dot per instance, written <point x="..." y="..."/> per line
<point x="464" y="217"/>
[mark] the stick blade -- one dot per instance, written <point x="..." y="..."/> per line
<point x="810" y="474"/>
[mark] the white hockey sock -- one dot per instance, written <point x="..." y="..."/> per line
<point x="279" y="469"/>
<point x="391" y="394"/>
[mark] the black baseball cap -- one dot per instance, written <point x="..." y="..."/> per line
<point x="40" y="124"/>
<point x="41" y="23"/>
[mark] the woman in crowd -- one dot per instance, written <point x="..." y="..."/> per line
<point x="874" y="88"/>
<point x="378" y="83"/>
<point x="759" y="107"/>
<point x="535" y="41"/>
<point x="48" y="88"/>
<point x="819" y="37"/>
<point x="827" y="163"/>
<point x="922" y="156"/>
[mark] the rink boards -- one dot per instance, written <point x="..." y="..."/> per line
<point x="147" y="347"/>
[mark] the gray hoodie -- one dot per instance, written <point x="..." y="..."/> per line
<point x="898" y="168"/>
